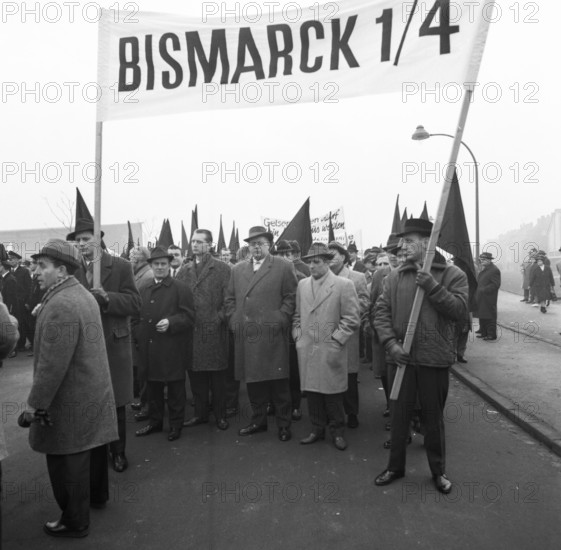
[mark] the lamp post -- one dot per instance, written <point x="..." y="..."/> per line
<point x="420" y="134"/>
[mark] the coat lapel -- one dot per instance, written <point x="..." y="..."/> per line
<point x="263" y="271"/>
<point x="324" y="292"/>
<point x="204" y="273"/>
<point x="106" y="266"/>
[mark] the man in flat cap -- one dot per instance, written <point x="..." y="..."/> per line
<point x="326" y="317"/>
<point x="118" y="300"/>
<point x="71" y="407"/>
<point x="487" y="296"/>
<point x="162" y="334"/>
<point x="339" y="266"/>
<point x="260" y="302"/>
<point x="433" y="350"/>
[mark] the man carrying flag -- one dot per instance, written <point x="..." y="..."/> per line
<point x="118" y="299"/>
<point x="433" y="350"/>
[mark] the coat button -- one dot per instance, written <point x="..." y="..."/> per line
<point x="149" y="320"/>
<point x="152" y="301"/>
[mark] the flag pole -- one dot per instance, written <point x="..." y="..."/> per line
<point x="420" y="293"/>
<point x="97" y="204"/>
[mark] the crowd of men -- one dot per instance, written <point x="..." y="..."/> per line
<point x="288" y="323"/>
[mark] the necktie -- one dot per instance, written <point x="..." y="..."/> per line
<point x="173" y="273"/>
<point x="89" y="274"/>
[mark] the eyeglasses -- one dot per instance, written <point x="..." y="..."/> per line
<point x="260" y="244"/>
<point x="379" y="264"/>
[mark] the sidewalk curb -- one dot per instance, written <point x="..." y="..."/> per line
<point x="529" y="334"/>
<point x="538" y="430"/>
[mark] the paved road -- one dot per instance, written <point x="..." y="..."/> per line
<point x="215" y="490"/>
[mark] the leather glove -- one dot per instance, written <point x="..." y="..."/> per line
<point x="426" y="281"/>
<point x="398" y="354"/>
<point x="101" y="296"/>
<point x="40" y="416"/>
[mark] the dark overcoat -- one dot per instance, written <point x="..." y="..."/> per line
<point x="71" y="379"/>
<point x="542" y="281"/>
<point x="124" y="301"/>
<point x="259" y="307"/>
<point x="208" y="282"/>
<point x="163" y="355"/>
<point x="487" y="293"/>
<point x="9" y="290"/>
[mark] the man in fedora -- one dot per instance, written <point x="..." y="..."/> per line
<point x="260" y="302"/>
<point x="354" y="263"/>
<point x="162" y="333"/>
<point x="71" y="407"/>
<point x="339" y="266"/>
<point x="487" y="296"/>
<point x="326" y="318"/>
<point x="118" y="300"/>
<point x="433" y="350"/>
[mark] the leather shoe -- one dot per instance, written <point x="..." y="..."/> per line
<point x="119" y="462"/>
<point x="461" y="359"/>
<point x="285" y="434"/>
<point x="195" y="421"/>
<point x="252" y="429"/>
<point x="136" y="406"/>
<point x="149" y="429"/>
<point x="339" y="443"/>
<point x="489" y="339"/>
<point x="222" y="424"/>
<point x="480" y="335"/>
<point x="297" y="414"/>
<point x="174" y="434"/>
<point x="387" y="477"/>
<point x="58" y="529"/>
<point x="352" y="421"/>
<point x="231" y="412"/>
<point x="141" y="416"/>
<point x="442" y="483"/>
<point x="312" y="438"/>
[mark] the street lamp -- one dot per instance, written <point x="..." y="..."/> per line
<point x="420" y="134"/>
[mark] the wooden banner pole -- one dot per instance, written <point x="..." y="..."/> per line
<point x="97" y="206"/>
<point x="420" y="293"/>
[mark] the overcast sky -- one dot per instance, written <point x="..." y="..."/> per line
<point x="153" y="166"/>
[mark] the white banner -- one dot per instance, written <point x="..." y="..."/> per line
<point x="155" y="64"/>
<point x="320" y="226"/>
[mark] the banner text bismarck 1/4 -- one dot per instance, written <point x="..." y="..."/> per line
<point x="248" y="57"/>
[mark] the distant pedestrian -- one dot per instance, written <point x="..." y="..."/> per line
<point x="486" y="296"/>
<point x="542" y="282"/>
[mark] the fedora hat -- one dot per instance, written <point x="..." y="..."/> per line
<point x="486" y="256"/>
<point x="416" y="225"/>
<point x="392" y="246"/>
<point x="259" y="231"/>
<point x="159" y="252"/>
<point x="318" y="250"/>
<point x="352" y="247"/>
<point x="13" y="255"/>
<point x="334" y="245"/>
<point x="283" y="246"/>
<point x="57" y="249"/>
<point x="82" y="225"/>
